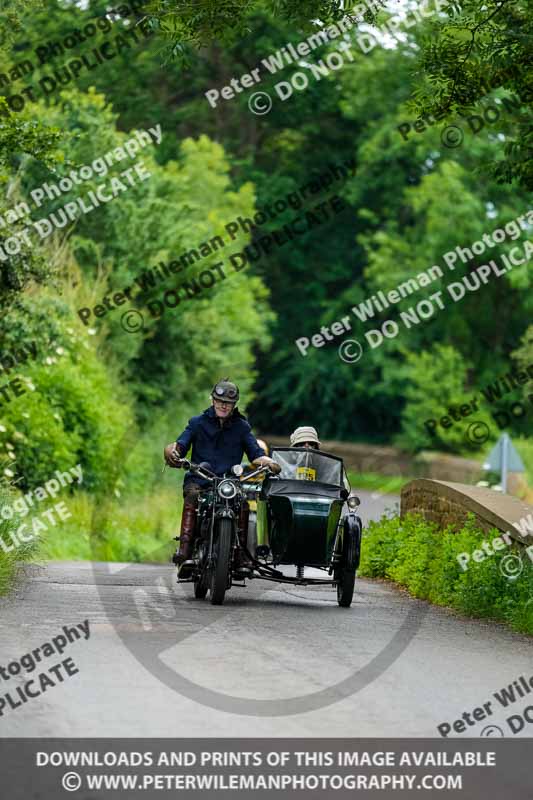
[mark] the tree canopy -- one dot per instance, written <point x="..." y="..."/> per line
<point x="362" y="141"/>
<point x="467" y="49"/>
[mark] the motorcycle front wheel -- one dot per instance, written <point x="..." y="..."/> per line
<point x="220" y="563"/>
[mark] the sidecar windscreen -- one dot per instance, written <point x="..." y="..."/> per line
<point x="301" y="464"/>
<point x="288" y="486"/>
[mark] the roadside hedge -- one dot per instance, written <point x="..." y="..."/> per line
<point x="12" y="558"/>
<point x="418" y="555"/>
<point x="74" y="408"/>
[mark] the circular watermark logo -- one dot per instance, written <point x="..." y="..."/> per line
<point x="511" y="567"/>
<point x="492" y="730"/>
<point x="132" y="321"/>
<point x="167" y="615"/>
<point x="452" y="136"/>
<point x="477" y="432"/>
<point x="71" y="781"/>
<point x="260" y="103"/>
<point x="350" y="351"/>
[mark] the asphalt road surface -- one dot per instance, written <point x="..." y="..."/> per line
<point x="275" y="660"/>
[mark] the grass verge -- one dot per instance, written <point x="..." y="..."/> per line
<point x="423" y="559"/>
<point x="13" y="554"/>
<point x="123" y="529"/>
<point x="373" y="482"/>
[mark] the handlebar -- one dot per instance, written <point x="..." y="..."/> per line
<point x="258" y="471"/>
<point x="203" y="472"/>
<point x="198" y="469"/>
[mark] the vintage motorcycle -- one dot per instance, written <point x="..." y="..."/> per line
<point x="306" y="517"/>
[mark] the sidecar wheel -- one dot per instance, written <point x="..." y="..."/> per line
<point x="200" y="588"/>
<point x="221" y="559"/>
<point x="201" y="580"/>
<point x="252" y="533"/>
<point x="346" y="582"/>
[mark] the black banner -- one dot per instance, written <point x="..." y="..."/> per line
<point x="37" y="769"/>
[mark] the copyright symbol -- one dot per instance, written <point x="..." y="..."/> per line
<point x="452" y="136"/>
<point x="477" y="432"/>
<point x="511" y="567"/>
<point x="71" y="781"/>
<point x="132" y="321"/>
<point x="492" y="730"/>
<point x="346" y="347"/>
<point x="260" y="103"/>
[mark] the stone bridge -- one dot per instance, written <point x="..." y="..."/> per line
<point x="449" y="503"/>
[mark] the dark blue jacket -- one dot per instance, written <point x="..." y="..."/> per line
<point x="221" y="445"/>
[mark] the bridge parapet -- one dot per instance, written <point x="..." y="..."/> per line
<point x="449" y="503"/>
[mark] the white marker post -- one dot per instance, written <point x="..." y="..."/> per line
<point x="505" y="461"/>
<point x="503" y="458"/>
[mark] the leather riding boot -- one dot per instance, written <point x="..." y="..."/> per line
<point x="188" y="522"/>
<point x="242" y="560"/>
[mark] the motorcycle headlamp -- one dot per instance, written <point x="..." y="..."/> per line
<point x="227" y="490"/>
<point x="353" y="502"/>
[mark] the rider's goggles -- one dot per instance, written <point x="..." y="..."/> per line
<point x="223" y="392"/>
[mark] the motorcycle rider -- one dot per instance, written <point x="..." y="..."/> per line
<point x="219" y="435"/>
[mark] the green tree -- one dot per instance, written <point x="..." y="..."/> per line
<point x="434" y="383"/>
<point x="73" y="409"/>
<point x="484" y="47"/>
<point x="466" y="48"/>
<point x="22" y="139"/>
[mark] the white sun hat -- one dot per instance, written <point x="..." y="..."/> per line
<point x="304" y="434"/>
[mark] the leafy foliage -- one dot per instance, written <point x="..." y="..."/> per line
<point x="11" y="18"/>
<point x="71" y="412"/>
<point x="486" y="44"/>
<point x="408" y="201"/>
<point x="12" y="559"/>
<point x="226" y="20"/>
<point x="465" y="48"/>
<point x="22" y="138"/>
<point x="422" y="558"/>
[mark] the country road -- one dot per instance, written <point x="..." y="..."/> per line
<point x="275" y="660"/>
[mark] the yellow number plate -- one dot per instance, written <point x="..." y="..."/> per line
<point x="306" y="473"/>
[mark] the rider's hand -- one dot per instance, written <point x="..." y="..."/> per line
<point x="172" y="455"/>
<point x="274" y="466"/>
